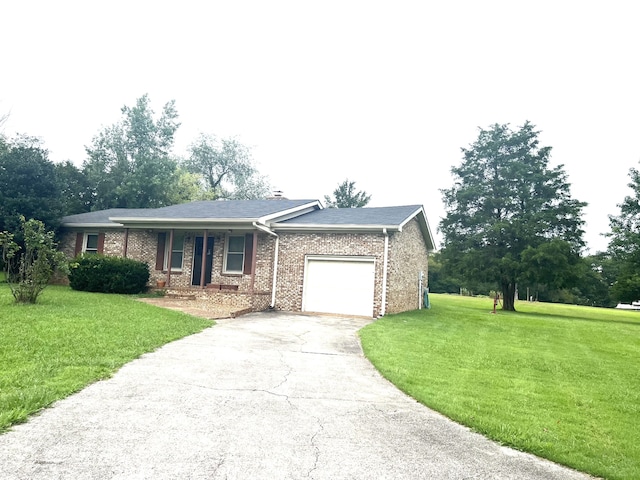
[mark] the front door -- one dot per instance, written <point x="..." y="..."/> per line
<point x="197" y="261"/>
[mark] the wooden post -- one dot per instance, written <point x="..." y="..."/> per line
<point x="169" y="257"/>
<point x="126" y="242"/>
<point x="204" y="258"/>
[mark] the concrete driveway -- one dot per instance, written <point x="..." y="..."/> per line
<point x="263" y="396"/>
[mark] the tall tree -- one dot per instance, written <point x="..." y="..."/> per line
<point x="226" y="168"/>
<point x="505" y="208"/>
<point x="624" y="244"/>
<point x="28" y="184"/>
<point x="189" y="187"/>
<point x="130" y="163"/>
<point x="346" y="196"/>
<point x="76" y="194"/>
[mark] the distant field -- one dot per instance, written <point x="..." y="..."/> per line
<point x="562" y="382"/>
<point x="70" y="339"/>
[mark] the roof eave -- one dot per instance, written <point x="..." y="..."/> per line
<point x="192" y="224"/>
<point x="321" y="227"/>
<point x="179" y="221"/>
<point x="424" y="226"/>
<point x="290" y="213"/>
<point x="91" y="225"/>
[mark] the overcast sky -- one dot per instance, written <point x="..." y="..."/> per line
<point x="383" y="93"/>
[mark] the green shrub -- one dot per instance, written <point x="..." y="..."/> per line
<point x="97" y="273"/>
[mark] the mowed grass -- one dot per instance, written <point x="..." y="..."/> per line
<point x="562" y="382"/>
<point x="70" y="339"/>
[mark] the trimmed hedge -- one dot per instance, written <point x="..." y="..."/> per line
<point x="98" y="273"/>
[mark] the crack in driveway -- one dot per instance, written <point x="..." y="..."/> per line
<point x="341" y="419"/>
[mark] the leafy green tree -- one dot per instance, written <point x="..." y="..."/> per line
<point x="189" y="187"/>
<point x="346" y="196"/>
<point x="440" y="281"/>
<point x="624" y="244"/>
<point x="596" y="278"/>
<point x="505" y="209"/>
<point x="76" y="194"/>
<point x="591" y="284"/>
<point x="29" y="268"/>
<point x="130" y="163"/>
<point x="28" y="184"/>
<point x="226" y="168"/>
<point x="554" y="263"/>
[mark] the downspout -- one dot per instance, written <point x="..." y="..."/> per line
<point x="385" y="262"/>
<point x="254" y="255"/>
<point x="275" y="263"/>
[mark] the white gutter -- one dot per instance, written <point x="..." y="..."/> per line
<point x="275" y="262"/>
<point x="384" y="272"/>
<point x="264" y="229"/>
<point x="92" y="225"/>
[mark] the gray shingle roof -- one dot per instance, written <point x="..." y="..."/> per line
<point x="359" y="219"/>
<point x="101" y="216"/>
<point x="208" y="209"/>
<point x="388" y="216"/>
<point x="237" y="209"/>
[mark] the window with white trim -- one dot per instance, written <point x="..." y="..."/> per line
<point x="177" y="252"/>
<point x="234" y="254"/>
<point x="90" y="243"/>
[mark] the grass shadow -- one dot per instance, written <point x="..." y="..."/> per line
<point x="576" y="317"/>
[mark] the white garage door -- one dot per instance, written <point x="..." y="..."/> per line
<point x="342" y="285"/>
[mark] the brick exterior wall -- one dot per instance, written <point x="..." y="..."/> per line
<point x="113" y="241"/>
<point x="142" y="245"/>
<point x="407" y="258"/>
<point x="293" y="248"/>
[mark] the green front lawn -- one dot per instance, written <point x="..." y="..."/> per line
<point x="562" y="382"/>
<point x="70" y="339"/>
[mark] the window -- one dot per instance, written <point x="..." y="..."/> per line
<point x="177" y="252"/>
<point x="234" y="254"/>
<point x="90" y="244"/>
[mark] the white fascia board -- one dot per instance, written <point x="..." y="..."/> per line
<point x="92" y="225"/>
<point x="424" y="225"/>
<point x="187" y="223"/>
<point x="145" y="220"/>
<point x="408" y="219"/>
<point x="332" y="228"/>
<point x="291" y="212"/>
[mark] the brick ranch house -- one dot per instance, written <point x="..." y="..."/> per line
<point x="289" y="255"/>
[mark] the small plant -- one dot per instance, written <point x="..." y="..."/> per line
<point x="98" y="273"/>
<point x="29" y="268"/>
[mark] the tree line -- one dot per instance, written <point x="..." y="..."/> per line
<point x="130" y="164"/>
<point x="511" y="226"/>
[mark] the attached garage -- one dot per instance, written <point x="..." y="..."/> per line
<point x="339" y="284"/>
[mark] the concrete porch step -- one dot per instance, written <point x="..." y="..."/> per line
<point x="180" y="296"/>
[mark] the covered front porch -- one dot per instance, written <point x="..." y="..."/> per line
<point x="228" y="271"/>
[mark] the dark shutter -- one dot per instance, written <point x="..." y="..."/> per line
<point x="248" y="253"/>
<point x="160" y="252"/>
<point x="79" y="238"/>
<point x="101" y="242"/>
